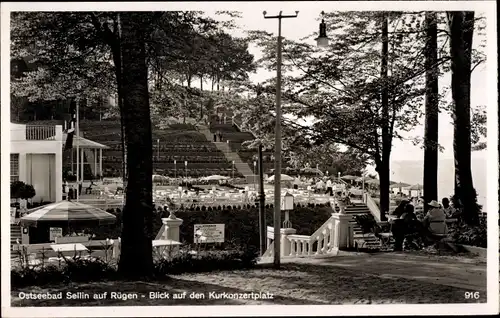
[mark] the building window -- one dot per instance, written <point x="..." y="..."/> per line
<point x="14" y="167"/>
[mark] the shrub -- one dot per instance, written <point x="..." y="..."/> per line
<point x="462" y="233"/>
<point x="205" y="261"/>
<point x="71" y="269"/>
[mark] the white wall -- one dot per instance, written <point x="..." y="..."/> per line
<point x="44" y="156"/>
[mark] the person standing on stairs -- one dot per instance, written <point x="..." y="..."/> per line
<point x="215" y="137"/>
<point x="329" y="187"/>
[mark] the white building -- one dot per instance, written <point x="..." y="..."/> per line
<point x="36" y="159"/>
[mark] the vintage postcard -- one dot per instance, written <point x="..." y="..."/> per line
<point x="249" y="158"/>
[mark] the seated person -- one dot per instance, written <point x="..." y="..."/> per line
<point x="88" y="190"/>
<point x="450" y="211"/>
<point x="435" y="220"/>
<point x="406" y="223"/>
<point x="400" y="209"/>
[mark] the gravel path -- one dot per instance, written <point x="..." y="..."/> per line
<point x="350" y="279"/>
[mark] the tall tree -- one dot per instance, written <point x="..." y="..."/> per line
<point x="461" y="27"/>
<point x="431" y="109"/>
<point x="136" y="255"/>
<point x="382" y="164"/>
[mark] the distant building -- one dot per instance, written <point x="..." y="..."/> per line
<point x="36" y="159"/>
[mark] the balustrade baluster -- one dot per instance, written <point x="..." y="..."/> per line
<point x="325" y="242"/>
<point x="292" y="247"/>
<point x="320" y="241"/>
<point x="330" y="241"/>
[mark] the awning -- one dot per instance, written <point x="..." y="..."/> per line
<point x="84" y="143"/>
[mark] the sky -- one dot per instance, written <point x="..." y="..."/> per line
<point x="306" y="23"/>
<point x="406" y="158"/>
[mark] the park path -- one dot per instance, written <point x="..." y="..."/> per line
<point x="460" y="272"/>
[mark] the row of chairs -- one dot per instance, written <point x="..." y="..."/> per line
<point x="170" y="159"/>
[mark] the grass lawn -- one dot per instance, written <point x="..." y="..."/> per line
<point x="293" y="284"/>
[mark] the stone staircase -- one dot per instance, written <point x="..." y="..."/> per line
<point x="369" y="240"/>
<point x="230" y="155"/>
<point x="15" y="234"/>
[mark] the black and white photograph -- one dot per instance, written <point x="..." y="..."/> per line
<point x="170" y="158"/>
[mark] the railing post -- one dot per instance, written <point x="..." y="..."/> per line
<point x="285" y="242"/>
<point x="342" y="237"/>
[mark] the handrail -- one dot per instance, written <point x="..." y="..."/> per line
<point x="372" y="206"/>
<point x="269" y="251"/>
<point x="322" y="228"/>
<point x="342" y="181"/>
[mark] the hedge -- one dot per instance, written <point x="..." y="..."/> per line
<point x="241" y="222"/>
<point x="75" y="269"/>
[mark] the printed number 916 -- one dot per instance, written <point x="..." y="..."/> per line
<point x="471" y="295"/>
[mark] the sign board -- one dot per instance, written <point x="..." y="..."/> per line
<point x="55" y="232"/>
<point x="209" y="233"/>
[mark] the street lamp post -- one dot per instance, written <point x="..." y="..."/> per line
<point x="186" y="167"/>
<point x="158" y="150"/>
<point x="322" y="40"/>
<point x="277" y="160"/>
<point x="254" y="165"/>
<point x="175" y="168"/>
<point x="233" y="169"/>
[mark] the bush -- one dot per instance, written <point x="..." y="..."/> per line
<point x="241" y="224"/>
<point x="205" y="261"/>
<point x="462" y="233"/>
<point x="71" y="269"/>
<point x="21" y="190"/>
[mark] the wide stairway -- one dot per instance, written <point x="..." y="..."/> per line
<point x="369" y="240"/>
<point x="231" y="156"/>
<point x="173" y="146"/>
<point x="15" y="234"/>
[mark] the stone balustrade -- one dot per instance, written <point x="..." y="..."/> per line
<point x="335" y="234"/>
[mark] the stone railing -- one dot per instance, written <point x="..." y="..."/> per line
<point x="372" y="206"/>
<point x="300" y="245"/>
<point x="35" y="132"/>
<point x="333" y="235"/>
<point x="270" y="251"/>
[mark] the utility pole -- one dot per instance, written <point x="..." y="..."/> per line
<point x="277" y="146"/>
<point x="262" y="206"/>
<point x="77" y="141"/>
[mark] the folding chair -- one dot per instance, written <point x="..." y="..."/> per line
<point x="369" y="226"/>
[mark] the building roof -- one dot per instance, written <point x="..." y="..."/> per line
<point x="84" y="143"/>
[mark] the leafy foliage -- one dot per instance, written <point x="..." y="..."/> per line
<point x="76" y="269"/>
<point x="474" y="235"/>
<point x="186" y="261"/>
<point x="21" y="190"/>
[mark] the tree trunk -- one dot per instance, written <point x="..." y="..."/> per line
<point x="136" y="254"/>
<point x="461" y="25"/>
<point x="431" y="111"/>
<point x="117" y="60"/>
<point x="201" y="100"/>
<point x="384" y="171"/>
